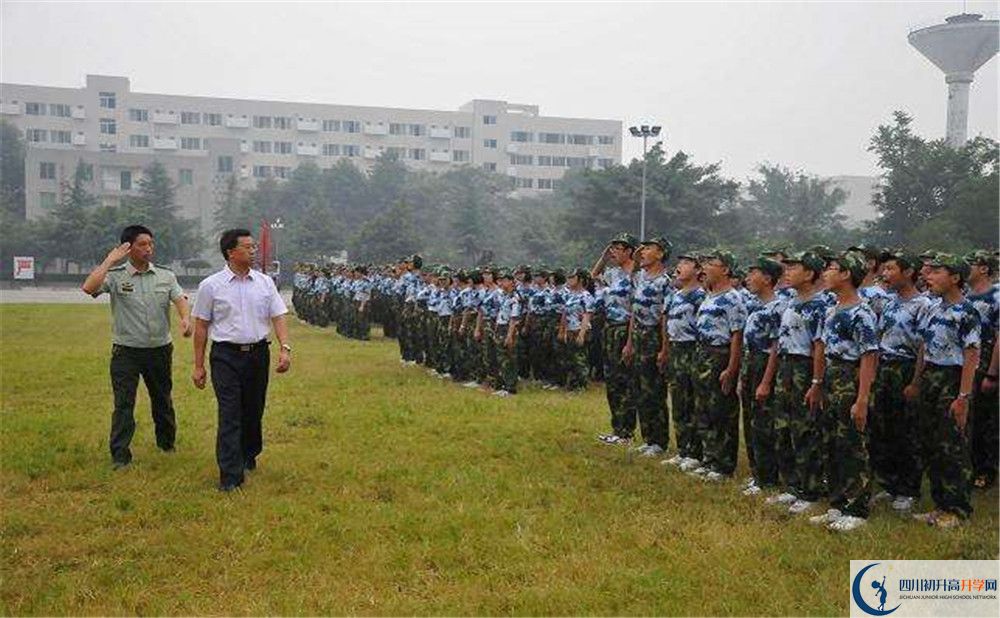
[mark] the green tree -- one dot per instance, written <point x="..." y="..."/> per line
<point x="387" y="237"/>
<point x="155" y="207"/>
<point x="12" y="152"/>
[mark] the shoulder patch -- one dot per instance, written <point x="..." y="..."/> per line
<point x="114" y="269"/>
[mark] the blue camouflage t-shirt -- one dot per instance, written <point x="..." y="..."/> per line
<point x="719" y="316"/>
<point x="899" y="338"/>
<point x="948" y="329"/>
<point x="510" y="308"/>
<point x="490" y="303"/>
<point x="850" y="332"/>
<point x="876" y="296"/>
<point x="577" y="304"/>
<point x="682" y="314"/>
<point x="763" y="324"/>
<point x="987" y="305"/>
<point x="801" y="325"/>
<point x="617" y="296"/>
<point x="649" y="297"/>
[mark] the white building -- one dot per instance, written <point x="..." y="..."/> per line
<point x="203" y="141"/>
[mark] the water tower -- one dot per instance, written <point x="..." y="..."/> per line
<point x="958" y="47"/>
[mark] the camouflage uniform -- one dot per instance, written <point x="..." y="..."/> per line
<point x="489" y="307"/>
<point x="682" y="332"/>
<point x="985" y="406"/>
<point x="508" y="314"/>
<point x="617" y="376"/>
<point x="649" y="298"/>
<point x="577" y="368"/>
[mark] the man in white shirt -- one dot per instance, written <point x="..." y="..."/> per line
<point x="236" y="308"/>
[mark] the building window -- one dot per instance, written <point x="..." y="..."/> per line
<point x="282" y="122"/>
<point x="36" y="135"/>
<point x="351" y="150"/>
<point x="352" y="126"/>
<point x="331" y="150"/>
<point x="544" y="183"/>
<point x="138" y="115"/>
<point x="185" y="177"/>
<point x="331" y="126"/>
<point x="576" y="161"/>
<point x="581" y="140"/>
<point x="108" y="147"/>
<point x="605" y="140"/>
<point x="558" y="162"/>
<point x="86" y="171"/>
<point x="262" y="122"/>
<point x="489" y="119"/>
<point x="489" y="143"/>
<point x="490" y="167"/>
<point x="282" y="147"/>
<point x="396" y="151"/>
<point x="190" y="118"/>
<point x="395" y="128"/>
<point x="418" y="154"/>
<point x="108" y="126"/>
<point x="605" y="163"/>
<point x="523" y="183"/>
<point x="544" y="160"/>
<point x="225" y="165"/>
<point x="262" y="147"/>
<point x="34" y="109"/>
<point x="47" y="200"/>
<point x="552" y="138"/>
<point x="416" y="130"/>
<point x="61" y="137"/>
<point x="516" y="159"/>
<point x="460" y="156"/>
<point x="107" y="100"/>
<point x="463" y="132"/>
<point x="213" y="119"/>
<point x="47" y="170"/>
<point x="126" y="180"/>
<point x="60" y="109"/>
<point x="138" y="141"/>
<point x="190" y="143"/>
<point x="261" y="171"/>
<point x="282" y="171"/>
<point x="520" y="136"/>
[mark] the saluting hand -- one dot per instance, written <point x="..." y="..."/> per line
<point x="118" y="253"/>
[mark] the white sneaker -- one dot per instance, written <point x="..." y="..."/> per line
<point x="689" y="464"/>
<point x="882" y="496"/>
<point x="402" y="363"/>
<point x="673" y="461"/>
<point x="785" y="498"/>
<point x="846" y="523"/>
<point x="903" y="504"/>
<point x="752" y="490"/>
<point x="748" y="481"/>
<point x="830" y="516"/>
<point x="652" y="450"/>
<point x="701" y="471"/>
<point x="715" y="477"/>
<point x="432" y="372"/>
<point x="642" y="447"/>
<point x="471" y="384"/>
<point x="800" y="506"/>
<point x="501" y="393"/>
<point x="445" y="375"/>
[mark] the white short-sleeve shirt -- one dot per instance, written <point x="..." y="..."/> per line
<point x="238" y="309"/>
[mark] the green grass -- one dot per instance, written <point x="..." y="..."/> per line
<point x="384" y="491"/>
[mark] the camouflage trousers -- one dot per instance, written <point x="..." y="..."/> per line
<point x="428" y="324"/>
<point x="759" y="434"/>
<point x="488" y="348"/>
<point x="506" y="360"/>
<point x="523" y="359"/>
<point x="618" y="381"/>
<point x="537" y="358"/>
<point x="595" y="353"/>
<point x="648" y="386"/>
<point x="681" y="372"/>
<point x="472" y="352"/>
<point x="575" y="361"/>
<point x="717" y="414"/>
<point x="406" y="348"/>
<point x="361" y="328"/>
<point x="985" y="408"/>
<point x="800" y="446"/>
<point x="893" y="444"/>
<point x="555" y="372"/>
<point x="847" y="452"/>
<point x="442" y="343"/>
<point x="944" y="451"/>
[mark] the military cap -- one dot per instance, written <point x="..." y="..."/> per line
<point x="808" y="259"/>
<point x="904" y="258"/>
<point x="660" y="242"/>
<point x="870" y="252"/>
<point x="726" y="257"/>
<point x="523" y="268"/>
<point x="954" y="264"/>
<point x="982" y="257"/>
<point x="540" y="271"/>
<point x="625" y="238"/>
<point x="929" y="254"/>
<point x="694" y="256"/>
<point x="504" y="273"/>
<point x="823" y="251"/>
<point x="770" y="252"/>
<point x="739" y="272"/>
<point x="767" y="266"/>
<point x="853" y="262"/>
<point x="580" y="273"/>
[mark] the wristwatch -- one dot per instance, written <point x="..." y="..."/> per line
<point x="964" y="395"/>
<point x="817" y="381"/>
<point x="287" y="347"/>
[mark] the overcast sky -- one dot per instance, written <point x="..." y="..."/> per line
<point x="801" y="84"/>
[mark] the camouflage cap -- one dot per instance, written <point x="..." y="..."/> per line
<point x="504" y="273"/>
<point x="694" y="256"/>
<point x="523" y="268"/>
<point x="853" y="262"/>
<point x="870" y="252"/>
<point x="739" y="272"/>
<point x="540" y="271"/>
<point x="624" y="238"/>
<point x="823" y="251"/>
<point x="904" y="258"/>
<point x="767" y="266"/>
<point x="982" y="257"/>
<point x="929" y="254"/>
<point x="770" y="252"/>
<point x="558" y="272"/>
<point x="808" y="259"/>
<point x="660" y="242"/>
<point x="954" y="264"/>
<point x="580" y="273"/>
<point x="724" y="256"/>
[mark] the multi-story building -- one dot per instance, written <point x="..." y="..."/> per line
<point x="204" y="141"/>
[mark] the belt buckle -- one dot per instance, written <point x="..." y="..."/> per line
<point x="245" y="347"/>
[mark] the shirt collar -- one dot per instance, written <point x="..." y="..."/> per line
<point x="132" y="270"/>
<point x="230" y="275"/>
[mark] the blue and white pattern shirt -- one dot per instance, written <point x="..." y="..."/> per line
<point x="948" y="329"/>
<point x="850" y="332"/>
<point x="898" y="325"/>
<point x="682" y="315"/>
<point x="617" y="296"/>
<point x="650" y="296"/>
<point x="577" y="304"/>
<point x="719" y="316"/>
<point x="801" y="325"/>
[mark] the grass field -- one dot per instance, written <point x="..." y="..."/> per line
<point x="382" y="490"/>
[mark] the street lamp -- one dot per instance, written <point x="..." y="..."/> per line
<point x="645" y="132"/>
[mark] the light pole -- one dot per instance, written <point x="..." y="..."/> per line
<point x="645" y="132"/>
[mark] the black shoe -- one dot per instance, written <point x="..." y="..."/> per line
<point x="167" y="449"/>
<point x="229" y="487"/>
<point x="250" y="464"/>
<point x="118" y="465"/>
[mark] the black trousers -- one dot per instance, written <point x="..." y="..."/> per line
<point x="153" y="365"/>
<point x="239" y="378"/>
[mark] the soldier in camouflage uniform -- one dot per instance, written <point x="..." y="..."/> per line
<point x="720" y="322"/>
<point x="645" y="348"/>
<point x="508" y="317"/>
<point x="682" y="339"/>
<point x="984" y="295"/>
<point x="485" y="331"/>
<point x="524" y="288"/>
<point x="951" y="332"/>
<point x="574" y="329"/>
<point x="616" y="264"/>
<point x="850" y="352"/>
<point x="472" y="351"/>
<point x="554" y="349"/>
<point x="532" y="328"/>
<point x="797" y="393"/>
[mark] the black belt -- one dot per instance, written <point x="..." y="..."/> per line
<point x="895" y="361"/>
<point x="683" y="344"/>
<point x="242" y="347"/>
<point x="841" y="362"/>
<point x="794" y="357"/>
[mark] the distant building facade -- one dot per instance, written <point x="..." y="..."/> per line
<point x="204" y="141"/>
